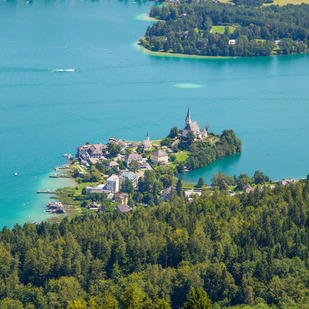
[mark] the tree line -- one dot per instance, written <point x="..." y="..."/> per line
<point x="250" y="249"/>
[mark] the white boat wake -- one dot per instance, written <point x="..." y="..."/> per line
<point x="64" y="70"/>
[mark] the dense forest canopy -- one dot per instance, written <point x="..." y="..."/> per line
<point x="250" y="249"/>
<point x="188" y="28"/>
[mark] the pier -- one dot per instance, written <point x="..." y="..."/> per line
<point x="59" y="176"/>
<point x="47" y="191"/>
<point x="63" y="167"/>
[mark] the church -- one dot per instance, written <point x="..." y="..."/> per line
<point x="193" y="126"/>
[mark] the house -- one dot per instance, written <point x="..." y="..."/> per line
<point x="129" y="175"/>
<point x="123" y="144"/>
<point x="93" y="161"/>
<point x="193" y="126"/>
<point x="146" y="144"/>
<point x="133" y="157"/>
<point x="123" y="208"/>
<point x="166" y="192"/>
<point x="97" y="151"/>
<point x="93" y="205"/>
<point x="277" y="42"/>
<point x="111" y="164"/>
<point x="94" y="151"/>
<point x="121" y="198"/>
<point x="113" y="184"/>
<point x="82" y="150"/>
<point x="133" y="145"/>
<point x="284" y="182"/>
<point x="190" y="193"/>
<point x="90" y="190"/>
<point x="232" y="42"/>
<point x="159" y="157"/>
<point x="174" y="143"/>
<point x="99" y="189"/>
<point x="247" y="189"/>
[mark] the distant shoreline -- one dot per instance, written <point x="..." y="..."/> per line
<point x="172" y="55"/>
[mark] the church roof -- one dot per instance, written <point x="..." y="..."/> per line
<point x="193" y="126"/>
<point x="146" y="143"/>
<point x="188" y="118"/>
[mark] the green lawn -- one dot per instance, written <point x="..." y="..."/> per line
<point x="82" y="186"/>
<point x="157" y="141"/>
<point x="181" y="156"/>
<point x="220" y="29"/>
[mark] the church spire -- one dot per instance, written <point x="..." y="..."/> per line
<point x="188" y="119"/>
<point x="147" y="136"/>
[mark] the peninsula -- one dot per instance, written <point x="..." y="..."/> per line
<point x="141" y="173"/>
<point x="225" y="30"/>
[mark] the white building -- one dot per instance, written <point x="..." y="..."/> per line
<point x="159" y="157"/>
<point x="113" y="184"/>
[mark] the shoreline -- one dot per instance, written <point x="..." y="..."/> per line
<point x="172" y="55"/>
<point x="144" y="50"/>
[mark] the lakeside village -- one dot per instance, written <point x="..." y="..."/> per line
<point x="122" y="175"/>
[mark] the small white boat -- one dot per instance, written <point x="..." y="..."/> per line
<point x="15" y="174"/>
<point x="65" y="155"/>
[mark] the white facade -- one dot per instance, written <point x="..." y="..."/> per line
<point x="113" y="184"/>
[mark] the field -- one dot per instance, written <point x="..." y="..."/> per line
<point x="284" y="2"/>
<point x="220" y="29"/>
<point x="276" y="2"/>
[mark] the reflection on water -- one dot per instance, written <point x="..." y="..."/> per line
<point x="224" y="165"/>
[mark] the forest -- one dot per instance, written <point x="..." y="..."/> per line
<point x="202" y="154"/>
<point x="217" y="251"/>
<point x="245" y="31"/>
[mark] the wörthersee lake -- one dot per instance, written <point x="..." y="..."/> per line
<point x="48" y="109"/>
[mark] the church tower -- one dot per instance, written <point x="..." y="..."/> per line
<point x="188" y="119"/>
<point x="147" y="136"/>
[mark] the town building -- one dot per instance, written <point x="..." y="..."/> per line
<point x="123" y="144"/>
<point x="129" y="175"/>
<point x="121" y="198"/>
<point x="146" y="144"/>
<point x="194" y="127"/>
<point x="133" y="145"/>
<point x="111" y="164"/>
<point x="133" y="157"/>
<point x="113" y="184"/>
<point x="167" y="192"/>
<point x="93" y="151"/>
<point x="159" y="157"/>
<point x="123" y="208"/>
<point x="174" y="143"/>
<point x="93" y="205"/>
<point x="247" y="189"/>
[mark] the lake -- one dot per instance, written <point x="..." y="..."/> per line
<point x="48" y="109"/>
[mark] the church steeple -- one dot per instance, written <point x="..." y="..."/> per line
<point x="147" y="136"/>
<point x="188" y="119"/>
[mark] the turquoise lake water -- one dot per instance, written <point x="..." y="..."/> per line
<point x="118" y="90"/>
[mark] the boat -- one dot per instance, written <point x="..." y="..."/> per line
<point x="65" y="155"/>
<point x="15" y="174"/>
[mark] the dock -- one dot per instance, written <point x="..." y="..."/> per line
<point x="47" y="191"/>
<point x="63" y="167"/>
<point x="59" y="176"/>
